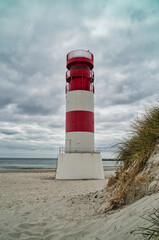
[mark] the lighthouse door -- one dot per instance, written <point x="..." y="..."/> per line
<point x="68" y="145"/>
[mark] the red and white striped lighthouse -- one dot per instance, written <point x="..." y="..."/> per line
<point x="79" y="160"/>
<point x="79" y="102"/>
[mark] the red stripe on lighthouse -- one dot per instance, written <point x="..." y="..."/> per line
<point x="80" y="121"/>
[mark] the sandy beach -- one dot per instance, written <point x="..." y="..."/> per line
<point x="35" y="206"/>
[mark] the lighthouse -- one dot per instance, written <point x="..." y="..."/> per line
<point x="79" y="159"/>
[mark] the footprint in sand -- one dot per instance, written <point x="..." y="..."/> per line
<point x="26" y="225"/>
<point x="32" y="231"/>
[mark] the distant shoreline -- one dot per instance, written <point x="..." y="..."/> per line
<point x="43" y="170"/>
<point x="40" y="165"/>
<point x="28" y="170"/>
<point x="23" y="158"/>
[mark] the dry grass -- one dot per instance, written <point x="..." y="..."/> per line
<point x="134" y="151"/>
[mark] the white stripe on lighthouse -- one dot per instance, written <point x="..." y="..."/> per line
<point x="79" y="142"/>
<point x="79" y="100"/>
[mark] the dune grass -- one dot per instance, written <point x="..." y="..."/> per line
<point x="134" y="151"/>
<point x="152" y="231"/>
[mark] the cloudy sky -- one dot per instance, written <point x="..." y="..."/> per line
<point x="36" y="35"/>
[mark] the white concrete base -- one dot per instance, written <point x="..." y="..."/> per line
<point x="79" y="166"/>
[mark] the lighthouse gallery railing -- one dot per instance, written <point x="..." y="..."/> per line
<point x="79" y="150"/>
<point x="80" y="53"/>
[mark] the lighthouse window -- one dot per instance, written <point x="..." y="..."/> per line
<point x="80" y="67"/>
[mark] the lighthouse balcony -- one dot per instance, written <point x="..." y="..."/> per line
<point x="80" y="56"/>
<point x="80" y="73"/>
<point x="79" y="150"/>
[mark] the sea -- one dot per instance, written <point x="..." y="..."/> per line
<point x="39" y="163"/>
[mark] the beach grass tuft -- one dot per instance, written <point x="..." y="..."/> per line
<point x="152" y="231"/>
<point x="134" y="151"/>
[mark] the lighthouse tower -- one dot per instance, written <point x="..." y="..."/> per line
<point x="79" y="160"/>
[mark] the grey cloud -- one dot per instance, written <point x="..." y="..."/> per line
<point x="26" y="146"/>
<point x="9" y="132"/>
<point x="138" y="15"/>
<point x="4" y="101"/>
<point x="6" y="58"/>
<point x="33" y="108"/>
<point x="40" y="104"/>
<point x="55" y="126"/>
<point x="35" y="38"/>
